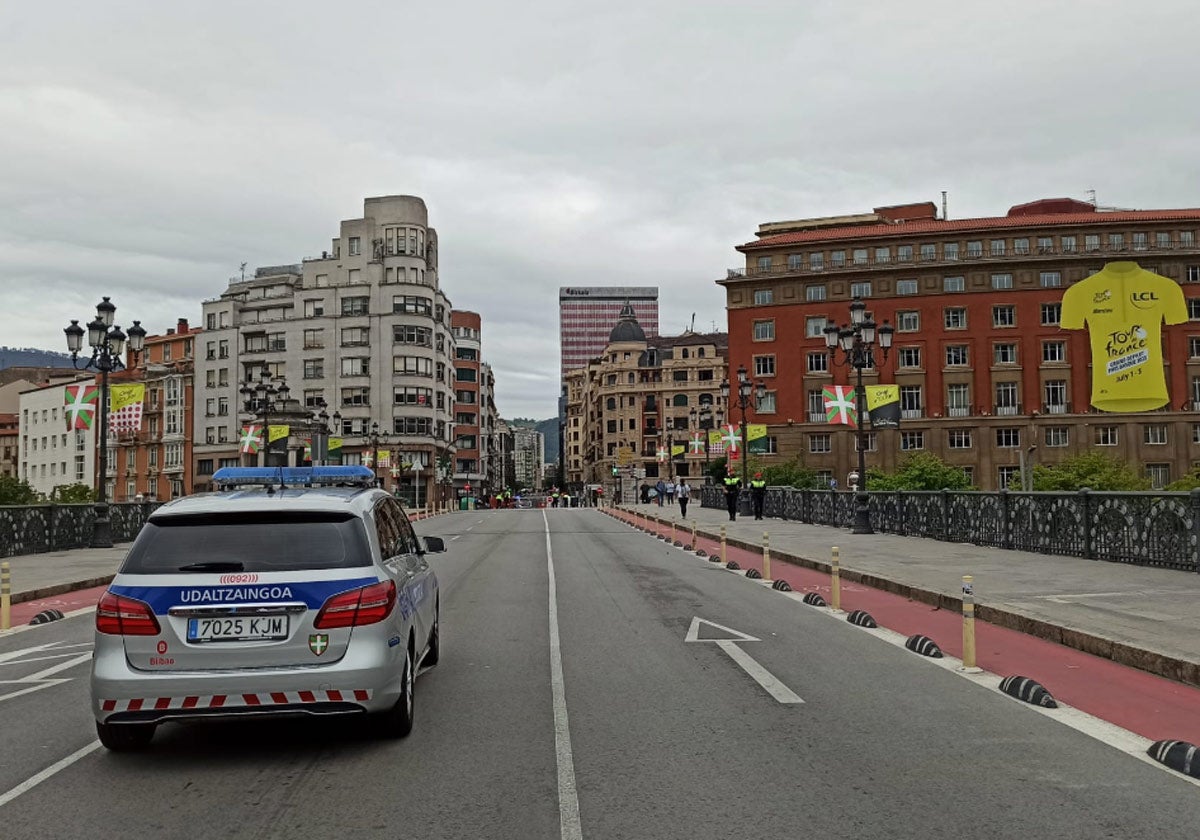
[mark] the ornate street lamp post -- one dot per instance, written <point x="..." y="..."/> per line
<point x="857" y="342"/>
<point x="702" y="421"/>
<point x="374" y="439"/>
<point x="747" y="398"/>
<point x="324" y="425"/>
<point x="263" y="397"/>
<point x="108" y="347"/>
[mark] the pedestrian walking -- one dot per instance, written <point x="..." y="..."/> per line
<point x="660" y="490"/>
<point x="758" y="492"/>
<point x="683" y="492"/>
<point x="670" y="492"/>
<point x="733" y="486"/>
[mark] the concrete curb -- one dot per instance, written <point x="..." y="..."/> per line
<point x="60" y="588"/>
<point x="1159" y="664"/>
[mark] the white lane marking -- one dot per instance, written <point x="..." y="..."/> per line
<point x="452" y="539"/>
<point x="570" y="827"/>
<point x="61" y="666"/>
<point x="693" y="633"/>
<point x="32" y="688"/>
<point x="22" y="628"/>
<point x="38" y="778"/>
<point x="760" y="674"/>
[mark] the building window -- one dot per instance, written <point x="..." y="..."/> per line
<point x="1005" y="354"/>
<point x="816" y="407"/>
<point x="1045" y="244"/>
<point x="764" y="330"/>
<point x="1007" y="401"/>
<point x="908" y="321"/>
<point x="1007" y="477"/>
<point x="910" y="441"/>
<point x="860" y="256"/>
<point x="1054" y="351"/>
<point x="1051" y="314"/>
<point x="904" y="253"/>
<point x="870" y="441"/>
<point x="314" y="368"/>
<point x="356" y="336"/>
<point x="959" y="438"/>
<point x="956" y="318"/>
<point x="1002" y="281"/>
<point x="814" y="326"/>
<point x="956" y="355"/>
<point x="1193" y="273"/>
<point x="767" y="404"/>
<point x="837" y="259"/>
<point x="953" y="284"/>
<point x="1139" y="242"/>
<point x="950" y="251"/>
<point x="1187" y="239"/>
<point x="820" y="443"/>
<point x="1116" y="242"/>
<point x="1106" y="435"/>
<point x="356" y="366"/>
<point x="860" y="290"/>
<point x="1008" y="438"/>
<point x="356" y="305"/>
<point x="1194" y="347"/>
<point x="1050" y="279"/>
<point x="411" y="305"/>
<point x="911" y="403"/>
<point x="1091" y="242"/>
<point x="910" y="357"/>
<point x="883" y="255"/>
<point x="795" y="262"/>
<point x="997" y="247"/>
<point x="1021" y="246"/>
<point x="764" y="265"/>
<point x="1004" y="316"/>
<point x="958" y="399"/>
<point x="816" y="262"/>
<point x="906" y="287"/>
<point x="1068" y="244"/>
<point x="1159" y="475"/>
<point x="814" y="292"/>
<point x="928" y="252"/>
<point x="356" y="396"/>
<point x="1055" y="391"/>
<point x="763" y="297"/>
<point x="763" y="366"/>
<point x="1196" y="433"/>
<point x="975" y="249"/>
<point x="1057" y="436"/>
<point x="818" y="363"/>
<point x="1155" y="434"/>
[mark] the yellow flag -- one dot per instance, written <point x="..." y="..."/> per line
<point x="278" y="432"/>
<point x="754" y="431"/>
<point x="123" y="396"/>
<point x="678" y="449"/>
<point x="125" y="401"/>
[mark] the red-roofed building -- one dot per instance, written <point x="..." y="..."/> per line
<point x="984" y="369"/>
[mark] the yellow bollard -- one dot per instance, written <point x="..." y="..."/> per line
<point x="672" y="540"/>
<point x="766" y="556"/>
<point x="722" y="545"/>
<point x="968" y="606"/>
<point x="5" y="597"/>
<point x="835" y="585"/>
<point x="694" y="546"/>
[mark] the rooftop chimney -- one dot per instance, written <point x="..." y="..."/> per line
<point x="182" y="327"/>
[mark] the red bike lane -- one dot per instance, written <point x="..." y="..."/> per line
<point x="1149" y="705"/>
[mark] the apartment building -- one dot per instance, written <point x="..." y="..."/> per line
<point x="10" y="444"/>
<point x="156" y="462"/>
<point x="986" y="374"/>
<point x="363" y="329"/>
<point x="642" y="396"/>
<point x="528" y="457"/>
<point x="470" y="469"/>
<point x="51" y="454"/>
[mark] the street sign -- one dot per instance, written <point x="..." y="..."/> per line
<point x="624" y="457"/>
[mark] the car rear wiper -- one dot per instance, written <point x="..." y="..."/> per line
<point x="214" y="566"/>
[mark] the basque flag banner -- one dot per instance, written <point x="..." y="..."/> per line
<point x="79" y="406"/>
<point x="839" y="406"/>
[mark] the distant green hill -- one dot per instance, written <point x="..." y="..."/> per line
<point x="32" y="357"/>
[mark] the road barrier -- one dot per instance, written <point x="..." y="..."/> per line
<point x="722" y="545"/>
<point x="835" y="579"/>
<point x="672" y="539"/>
<point x="1028" y="691"/>
<point x="692" y="545"/>
<point x="968" y="613"/>
<point x="5" y="597"/>
<point x="766" y="572"/>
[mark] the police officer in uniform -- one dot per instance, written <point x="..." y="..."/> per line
<point x="758" y="492"/>
<point x="733" y="484"/>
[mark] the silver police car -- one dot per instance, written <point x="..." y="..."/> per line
<point x="295" y="591"/>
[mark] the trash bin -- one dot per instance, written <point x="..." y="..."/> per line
<point x="462" y="503"/>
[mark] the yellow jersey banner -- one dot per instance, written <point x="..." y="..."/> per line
<point x="125" y="407"/>
<point x="277" y="432"/>
<point x="1124" y="307"/>
<point x="883" y="406"/>
<point x="756" y="438"/>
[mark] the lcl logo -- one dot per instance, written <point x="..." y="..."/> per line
<point x="1143" y="300"/>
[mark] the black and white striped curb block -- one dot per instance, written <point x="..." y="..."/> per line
<point x="732" y="564"/>
<point x="814" y="599"/>
<point x="862" y="618"/>
<point x="1028" y="691"/>
<point x="700" y="552"/>
<point x="678" y="544"/>
<point x="923" y="645"/>
<point x="46" y="616"/>
<point x="754" y="574"/>
<point x="1178" y="755"/>
<point x="782" y="585"/>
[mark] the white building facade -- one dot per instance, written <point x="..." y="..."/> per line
<point x="51" y="454"/>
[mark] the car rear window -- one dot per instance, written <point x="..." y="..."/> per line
<point x="260" y="542"/>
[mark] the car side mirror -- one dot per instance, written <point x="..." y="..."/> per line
<point x="434" y="544"/>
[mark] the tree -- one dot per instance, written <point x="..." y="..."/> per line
<point x="1093" y="470"/>
<point x="791" y="474"/>
<point x="14" y="491"/>
<point x="920" y="471"/>
<point x="72" y="493"/>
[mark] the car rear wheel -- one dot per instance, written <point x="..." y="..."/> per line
<point x="397" y="721"/>
<point x="125" y="737"/>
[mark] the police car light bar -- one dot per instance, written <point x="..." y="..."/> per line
<point x="290" y="476"/>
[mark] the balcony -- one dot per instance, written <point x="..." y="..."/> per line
<point x="958" y="411"/>
<point x="912" y="413"/>
<point x="1007" y="410"/>
<point x="1056" y="408"/>
<point x="817" y="417"/>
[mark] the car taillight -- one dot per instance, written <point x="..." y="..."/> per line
<point x="368" y="605"/>
<point x="121" y="616"/>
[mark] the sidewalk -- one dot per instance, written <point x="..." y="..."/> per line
<point x="1135" y="615"/>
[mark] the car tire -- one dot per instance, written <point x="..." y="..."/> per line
<point x="433" y="649"/>
<point x="397" y="721"/>
<point x="125" y="737"/>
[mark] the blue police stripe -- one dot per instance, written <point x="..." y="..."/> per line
<point x="312" y="593"/>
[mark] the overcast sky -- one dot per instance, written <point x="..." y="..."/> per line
<point x="149" y="148"/>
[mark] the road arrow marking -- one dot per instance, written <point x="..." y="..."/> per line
<point x="748" y="663"/>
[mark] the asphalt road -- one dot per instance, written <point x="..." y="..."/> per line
<point x="655" y="737"/>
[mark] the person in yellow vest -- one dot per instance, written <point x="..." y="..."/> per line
<point x="733" y="484"/>
<point x="758" y="492"/>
